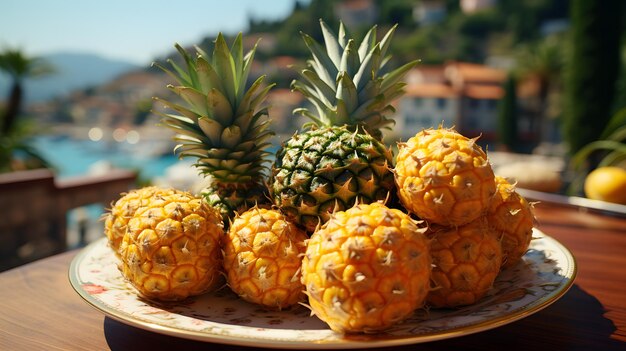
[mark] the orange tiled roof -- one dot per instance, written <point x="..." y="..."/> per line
<point x="471" y="72"/>
<point x="426" y="74"/>
<point x="431" y="90"/>
<point x="477" y="91"/>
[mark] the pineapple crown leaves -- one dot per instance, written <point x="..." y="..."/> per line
<point x="345" y="82"/>
<point x="220" y="121"/>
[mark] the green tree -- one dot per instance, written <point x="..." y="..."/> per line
<point x="543" y="61"/>
<point x="19" y="67"/>
<point x="592" y="70"/>
<point x="13" y="135"/>
<point x="507" y="115"/>
<point x="396" y="11"/>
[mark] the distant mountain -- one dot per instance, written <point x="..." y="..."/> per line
<point x="73" y="71"/>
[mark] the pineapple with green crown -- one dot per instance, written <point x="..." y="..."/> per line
<point x="222" y="124"/>
<point x="340" y="159"/>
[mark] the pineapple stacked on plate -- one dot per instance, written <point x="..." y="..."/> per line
<point x="224" y="128"/>
<point x="366" y="266"/>
<point x="170" y="247"/>
<point x="220" y="123"/>
<point x="316" y="227"/>
<point x="477" y="220"/>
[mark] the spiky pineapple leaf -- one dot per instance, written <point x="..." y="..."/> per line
<point x="367" y="71"/>
<point x="176" y="78"/>
<point x="211" y="129"/>
<point x="191" y="72"/>
<point x="386" y="41"/>
<point x="196" y="100"/>
<point x="185" y="112"/>
<point x="346" y="91"/>
<point x="368" y="43"/>
<point x="325" y="67"/>
<point x="342" y="35"/>
<point x="325" y="92"/>
<point x="207" y="77"/>
<point x="225" y="67"/>
<point x="333" y="49"/>
<point x="236" y="52"/>
<point x="219" y="108"/>
<point x="395" y="76"/>
<point x="251" y="94"/>
<point x="350" y="59"/>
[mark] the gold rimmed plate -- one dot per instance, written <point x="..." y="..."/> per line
<point x="545" y="274"/>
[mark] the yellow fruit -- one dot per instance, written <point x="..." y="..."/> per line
<point x="366" y="269"/>
<point x="444" y="177"/>
<point x="511" y="218"/>
<point x="466" y="261"/>
<point x="171" y="247"/>
<point x="263" y="257"/>
<point x="607" y="184"/>
<point x="116" y="220"/>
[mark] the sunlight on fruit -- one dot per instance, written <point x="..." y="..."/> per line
<point x="607" y="184"/>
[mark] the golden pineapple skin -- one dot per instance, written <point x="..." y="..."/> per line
<point x="262" y="258"/>
<point x="466" y="261"/>
<point x="512" y="220"/>
<point x="116" y="220"/>
<point x="366" y="269"/>
<point x="444" y="177"/>
<point x="171" y="248"/>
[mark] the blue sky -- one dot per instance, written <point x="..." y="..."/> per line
<point x="131" y="30"/>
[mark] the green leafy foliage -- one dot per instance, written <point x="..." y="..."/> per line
<point x="15" y="151"/>
<point x="507" y="115"/>
<point x="592" y="70"/>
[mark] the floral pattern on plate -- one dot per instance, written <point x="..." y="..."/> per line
<point x="545" y="274"/>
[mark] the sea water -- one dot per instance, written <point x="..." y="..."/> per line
<point x="73" y="157"/>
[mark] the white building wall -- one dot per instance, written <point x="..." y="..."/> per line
<point x="480" y="115"/>
<point x="415" y="114"/>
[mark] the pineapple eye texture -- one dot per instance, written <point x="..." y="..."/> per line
<point x="444" y="177"/>
<point x="169" y="250"/>
<point x="366" y="269"/>
<point x="263" y="257"/>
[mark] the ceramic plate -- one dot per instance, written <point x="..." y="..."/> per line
<point x="546" y="273"/>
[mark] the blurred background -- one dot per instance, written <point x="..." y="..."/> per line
<point x="542" y="82"/>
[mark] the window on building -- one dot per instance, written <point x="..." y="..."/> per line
<point x="441" y="103"/>
<point x="473" y="103"/>
<point x="473" y="123"/>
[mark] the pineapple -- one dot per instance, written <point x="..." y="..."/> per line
<point x="340" y="158"/>
<point x="366" y="269"/>
<point x="171" y="248"/>
<point x="263" y="257"/>
<point x="444" y="177"/>
<point x="221" y="124"/>
<point x="466" y="261"/>
<point x="511" y="217"/>
<point x="116" y="219"/>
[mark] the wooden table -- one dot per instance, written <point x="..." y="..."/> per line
<point x="39" y="310"/>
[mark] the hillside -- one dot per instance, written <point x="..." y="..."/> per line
<point x="72" y="71"/>
<point x="432" y="31"/>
